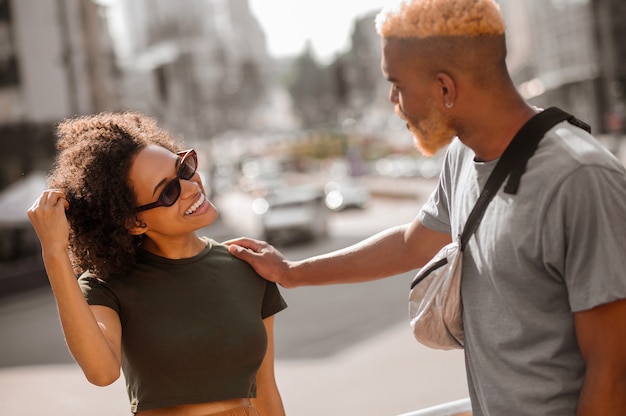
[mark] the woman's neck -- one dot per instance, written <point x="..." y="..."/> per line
<point x="181" y="247"/>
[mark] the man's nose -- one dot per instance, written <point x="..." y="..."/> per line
<point x="393" y="95"/>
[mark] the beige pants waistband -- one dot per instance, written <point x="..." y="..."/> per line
<point x="238" y="411"/>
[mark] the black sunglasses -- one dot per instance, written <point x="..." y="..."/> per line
<point x="171" y="192"/>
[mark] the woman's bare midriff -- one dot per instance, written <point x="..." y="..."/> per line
<point x="196" y="409"/>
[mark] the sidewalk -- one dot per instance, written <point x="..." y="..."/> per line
<point x="387" y="375"/>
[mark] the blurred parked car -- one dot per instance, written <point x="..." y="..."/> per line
<point x="398" y="166"/>
<point x="289" y="214"/>
<point x="346" y="193"/>
<point x="261" y="176"/>
<point x="405" y="166"/>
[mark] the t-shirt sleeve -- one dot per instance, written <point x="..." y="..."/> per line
<point x="97" y="292"/>
<point x="590" y="255"/>
<point x="273" y="301"/>
<point x="434" y="213"/>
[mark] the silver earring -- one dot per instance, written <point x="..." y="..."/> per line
<point x="449" y="105"/>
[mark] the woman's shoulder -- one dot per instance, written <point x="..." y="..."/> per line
<point x="216" y="250"/>
<point x="214" y="246"/>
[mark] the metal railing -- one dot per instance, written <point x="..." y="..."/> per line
<point x="445" y="409"/>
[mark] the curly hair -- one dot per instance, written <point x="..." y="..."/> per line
<point x="95" y="153"/>
<point x="428" y="18"/>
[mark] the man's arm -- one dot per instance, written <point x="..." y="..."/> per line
<point x="601" y="334"/>
<point x="390" y="252"/>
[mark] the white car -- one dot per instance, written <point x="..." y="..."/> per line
<point x="289" y="214"/>
<point x="346" y="193"/>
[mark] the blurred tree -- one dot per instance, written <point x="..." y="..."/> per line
<point x="312" y="91"/>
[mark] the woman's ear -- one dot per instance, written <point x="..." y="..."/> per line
<point x="136" y="226"/>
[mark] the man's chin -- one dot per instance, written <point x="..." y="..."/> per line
<point x="432" y="135"/>
<point x="430" y="147"/>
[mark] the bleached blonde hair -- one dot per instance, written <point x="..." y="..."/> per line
<point x="428" y="18"/>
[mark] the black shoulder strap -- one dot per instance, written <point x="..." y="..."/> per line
<point x="553" y="116"/>
<point x="514" y="160"/>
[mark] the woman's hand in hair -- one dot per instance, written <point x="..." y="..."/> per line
<point x="47" y="214"/>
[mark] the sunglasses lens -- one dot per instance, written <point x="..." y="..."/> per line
<point x="187" y="168"/>
<point x="170" y="193"/>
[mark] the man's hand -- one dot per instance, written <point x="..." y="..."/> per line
<point x="266" y="260"/>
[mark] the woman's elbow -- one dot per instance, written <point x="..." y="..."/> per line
<point x="103" y="378"/>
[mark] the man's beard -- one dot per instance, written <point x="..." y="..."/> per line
<point x="431" y="133"/>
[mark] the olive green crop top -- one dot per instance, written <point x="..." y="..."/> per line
<point x="192" y="329"/>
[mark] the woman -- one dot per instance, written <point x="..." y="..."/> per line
<point x="190" y="326"/>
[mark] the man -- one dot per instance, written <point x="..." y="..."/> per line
<point x="544" y="276"/>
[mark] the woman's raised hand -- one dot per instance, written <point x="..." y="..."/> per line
<point x="47" y="214"/>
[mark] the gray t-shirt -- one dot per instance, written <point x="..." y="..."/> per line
<point x="554" y="248"/>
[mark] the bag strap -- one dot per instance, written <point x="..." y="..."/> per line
<point x="514" y="160"/>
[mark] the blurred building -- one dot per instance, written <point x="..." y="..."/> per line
<point x="55" y="62"/>
<point x="200" y="66"/>
<point x="570" y="53"/>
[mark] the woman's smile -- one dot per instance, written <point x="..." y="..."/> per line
<point x="198" y="204"/>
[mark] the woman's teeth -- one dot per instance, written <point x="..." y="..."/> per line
<point x="195" y="206"/>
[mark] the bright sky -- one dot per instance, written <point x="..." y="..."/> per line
<point x="327" y="23"/>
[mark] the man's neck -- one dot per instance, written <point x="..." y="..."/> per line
<point x="492" y="133"/>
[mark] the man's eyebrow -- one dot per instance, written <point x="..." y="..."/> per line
<point x="391" y="79"/>
<point x="158" y="185"/>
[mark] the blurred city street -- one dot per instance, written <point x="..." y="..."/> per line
<point x="250" y="83"/>
<point x="340" y="350"/>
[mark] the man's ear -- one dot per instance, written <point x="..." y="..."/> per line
<point x="136" y="226"/>
<point x="447" y="90"/>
